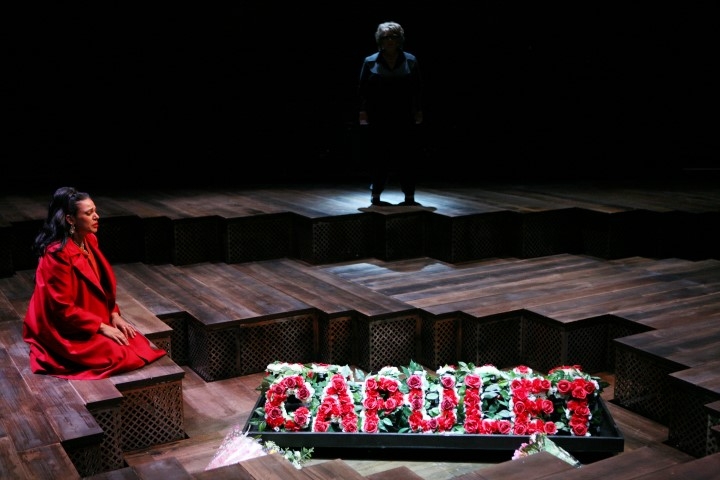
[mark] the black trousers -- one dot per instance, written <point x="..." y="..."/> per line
<point x="392" y="154"/>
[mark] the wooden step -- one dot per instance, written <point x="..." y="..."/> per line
<point x="397" y="473"/>
<point x="705" y="468"/>
<point x="268" y="467"/>
<point x="538" y="465"/>
<point x="28" y="448"/>
<point x="626" y="465"/>
<point x="163" y="469"/>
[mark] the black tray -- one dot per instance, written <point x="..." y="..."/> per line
<point x="606" y="442"/>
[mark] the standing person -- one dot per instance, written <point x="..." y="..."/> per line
<point x="390" y="93"/>
<point x="72" y="324"/>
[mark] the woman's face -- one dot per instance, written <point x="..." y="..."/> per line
<point x="86" y="219"/>
<point x="390" y="41"/>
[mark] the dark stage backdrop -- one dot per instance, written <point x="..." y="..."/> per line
<point x="257" y="91"/>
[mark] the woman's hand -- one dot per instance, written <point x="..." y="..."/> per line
<point x="120" y="330"/>
<point x="113" y="334"/>
<point x="122" y="325"/>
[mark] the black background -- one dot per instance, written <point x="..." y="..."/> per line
<point x="119" y="93"/>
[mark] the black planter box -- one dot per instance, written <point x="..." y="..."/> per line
<point x="604" y="443"/>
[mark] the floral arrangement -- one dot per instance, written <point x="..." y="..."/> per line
<point x="238" y="446"/>
<point x="456" y="399"/>
<point x="539" y="442"/>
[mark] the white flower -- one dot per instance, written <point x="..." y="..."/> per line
<point x="393" y="372"/>
<point x="488" y="370"/>
<point x="446" y="369"/>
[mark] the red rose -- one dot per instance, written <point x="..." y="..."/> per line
<point x="564" y="387"/>
<point x="550" y="428"/>
<point x="289" y="382"/>
<point x="471" y="397"/>
<point x="389" y="385"/>
<point x="474" y="381"/>
<point x="391" y="404"/>
<point x="302" y="416"/>
<point x="338" y="382"/>
<point x="303" y="393"/>
<point x="580" y="430"/>
<point x="414" y="382"/>
<point x="520" y="429"/>
<point x="448" y="403"/>
<point x="321" y="426"/>
<point x="371" y="403"/>
<point x="447" y="381"/>
<point x="471" y="425"/>
<point x="347" y="408"/>
<point x="489" y="425"/>
<point x="519" y="407"/>
<point x="349" y="424"/>
<point x="370" y="425"/>
<point x="273" y="412"/>
<point x="504" y="426"/>
<point x="579" y="392"/>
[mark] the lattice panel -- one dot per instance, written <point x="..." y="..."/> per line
<point x="289" y="339"/>
<point x="595" y="234"/>
<point x="152" y="416"/>
<point x="550" y="233"/>
<point x="390" y="341"/>
<point x="641" y="385"/>
<point x="7" y="259"/>
<point x="439" y="342"/>
<point x="688" y="430"/>
<point x="713" y="446"/>
<point x="178" y="338"/>
<point x="16" y="243"/>
<point x="343" y="238"/>
<point x="158" y="240"/>
<point x="542" y="344"/>
<point x="619" y="329"/>
<point x="619" y="235"/>
<point x="213" y="354"/>
<point x="87" y="460"/>
<point x="163" y="343"/>
<point x="497" y="342"/>
<point x="259" y="237"/>
<point x="587" y="347"/>
<point x="481" y="236"/>
<point x="111" y="453"/>
<point x="706" y="244"/>
<point x="335" y="338"/>
<point x="197" y="240"/>
<point x="404" y="236"/>
<point x="121" y="239"/>
<point x="439" y="237"/>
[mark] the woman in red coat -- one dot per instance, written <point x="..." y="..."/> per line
<point x="72" y="324"/>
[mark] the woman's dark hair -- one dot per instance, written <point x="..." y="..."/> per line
<point x="55" y="228"/>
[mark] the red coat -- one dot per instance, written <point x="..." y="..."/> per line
<point x="64" y="315"/>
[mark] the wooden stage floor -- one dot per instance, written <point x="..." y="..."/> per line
<point x="486" y="250"/>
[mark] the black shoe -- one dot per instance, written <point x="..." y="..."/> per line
<point x="409" y="203"/>
<point x="379" y="203"/>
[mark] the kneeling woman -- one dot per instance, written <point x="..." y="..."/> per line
<point x="72" y="324"/>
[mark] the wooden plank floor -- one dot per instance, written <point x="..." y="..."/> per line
<point x="213" y="408"/>
<point x="693" y="195"/>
